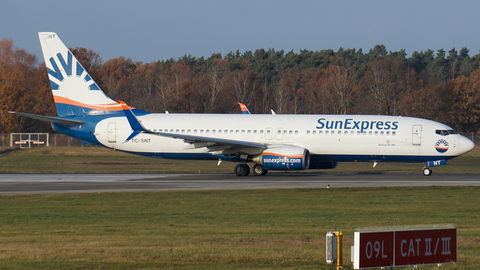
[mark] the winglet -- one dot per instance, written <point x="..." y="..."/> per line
<point x="135" y="124"/>
<point x="243" y="108"/>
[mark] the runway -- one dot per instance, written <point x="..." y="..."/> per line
<point x="15" y="184"/>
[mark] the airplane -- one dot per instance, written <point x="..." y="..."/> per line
<point x="243" y="108"/>
<point x="268" y="141"/>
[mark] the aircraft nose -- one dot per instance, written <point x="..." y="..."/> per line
<point x="466" y="145"/>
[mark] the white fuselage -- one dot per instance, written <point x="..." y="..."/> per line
<point x="329" y="137"/>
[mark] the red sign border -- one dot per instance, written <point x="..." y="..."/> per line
<point x="357" y="257"/>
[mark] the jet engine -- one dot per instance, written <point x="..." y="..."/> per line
<point x="284" y="158"/>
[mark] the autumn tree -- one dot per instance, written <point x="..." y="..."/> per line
<point x="338" y="87"/>
<point x="384" y="79"/>
<point x="310" y="87"/>
<point x="115" y="74"/>
<point x="211" y="84"/>
<point x="17" y="85"/>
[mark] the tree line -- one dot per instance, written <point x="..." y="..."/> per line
<point x="440" y="86"/>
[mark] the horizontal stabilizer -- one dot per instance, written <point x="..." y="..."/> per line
<point x="51" y="119"/>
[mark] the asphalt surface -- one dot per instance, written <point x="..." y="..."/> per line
<point x="13" y="184"/>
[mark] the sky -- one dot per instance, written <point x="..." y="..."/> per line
<point x="149" y="31"/>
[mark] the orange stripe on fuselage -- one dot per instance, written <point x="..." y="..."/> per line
<point x="102" y="107"/>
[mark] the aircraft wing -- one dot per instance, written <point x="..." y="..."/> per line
<point x="193" y="138"/>
<point x="51" y="119"/>
<point x="138" y="128"/>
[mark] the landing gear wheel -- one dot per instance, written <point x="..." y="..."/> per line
<point x="258" y="170"/>
<point x="242" y="170"/>
<point x="427" y="171"/>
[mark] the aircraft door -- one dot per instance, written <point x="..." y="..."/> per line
<point x="417" y="135"/>
<point x="112" y="132"/>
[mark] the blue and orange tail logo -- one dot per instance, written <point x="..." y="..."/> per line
<point x="67" y="67"/>
<point x="441" y="146"/>
<point x="243" y="108"/>
<point x="74" y="91"/>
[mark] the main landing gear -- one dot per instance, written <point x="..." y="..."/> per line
<point x="244" y="170"/>
<point x="258" y="170"/>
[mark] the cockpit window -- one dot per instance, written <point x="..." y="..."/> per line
<point x="445" y="132"/>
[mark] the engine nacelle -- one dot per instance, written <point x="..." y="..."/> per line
<point x="284" y="158"/>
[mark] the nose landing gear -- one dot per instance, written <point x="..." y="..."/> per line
<point x="427" y="171"/>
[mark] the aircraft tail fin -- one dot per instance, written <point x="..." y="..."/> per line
<point x="243" y="108"/>
<point x="74" y="91"/>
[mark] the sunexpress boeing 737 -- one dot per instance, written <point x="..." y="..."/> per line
<point x="270" y="142"/>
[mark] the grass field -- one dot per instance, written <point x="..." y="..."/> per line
<point x="246" y="229"/>
<point x="232" y="229"/>
<point x="102" y="160"/>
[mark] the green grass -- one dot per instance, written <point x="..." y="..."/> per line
<point x="101" y="160"/>
<point x="248" y="229"/>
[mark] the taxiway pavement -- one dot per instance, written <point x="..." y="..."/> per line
<point x="13" y="184"/>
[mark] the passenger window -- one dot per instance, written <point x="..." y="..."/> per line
<point x="308" y="132"/>
<point x="394" y="133"/>
<point x="296" y="132"/>
<point x="326" y="132"/>
<point x="249" y="132"/>
<point x="314" y="133"/>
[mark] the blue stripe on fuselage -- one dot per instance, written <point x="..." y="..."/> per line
<point x="383" y="158"/>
